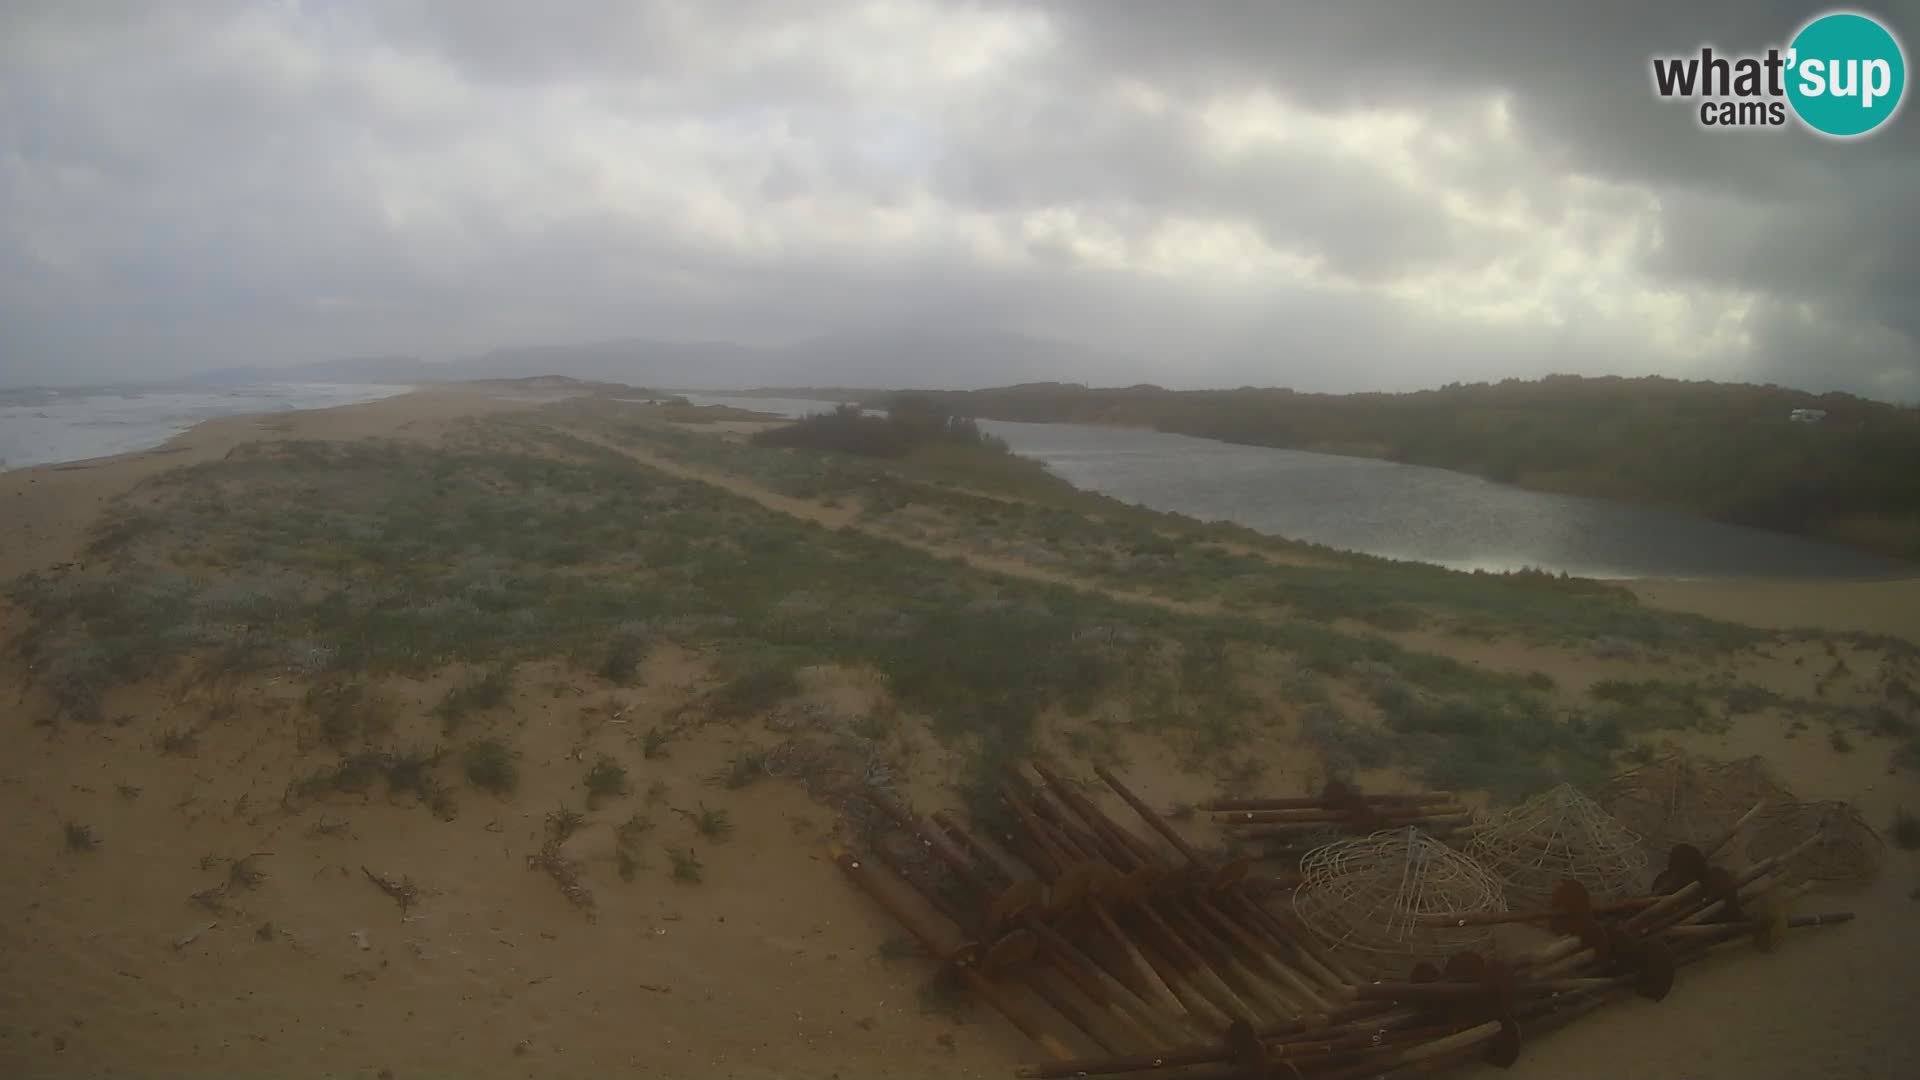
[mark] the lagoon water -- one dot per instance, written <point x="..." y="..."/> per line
<point x="1406" y="511"/>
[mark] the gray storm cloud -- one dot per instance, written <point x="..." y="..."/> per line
<point x="1326" y="196"/>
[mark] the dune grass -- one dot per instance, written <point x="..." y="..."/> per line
<point x="984" y="499"/>
<point x="345" y="563"/>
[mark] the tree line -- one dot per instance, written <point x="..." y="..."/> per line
<point x="910" y="421"/>
<point x="1728" y="451"/>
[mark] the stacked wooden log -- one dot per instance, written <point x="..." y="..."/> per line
<point x="1121" y="953"/>
<point x="1287" y="828"/>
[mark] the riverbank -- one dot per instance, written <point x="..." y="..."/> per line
<point x="1728" y="452"/>
<point x="411" y="639"/>
<point x="1409" y="512"/>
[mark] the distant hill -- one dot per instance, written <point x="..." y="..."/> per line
<point x="1727" y="450"/>
<point x="368" y="369"/>
<point x="640" y="360"/>
<point x="567" y="385"/>
<point x="901" y="359"/>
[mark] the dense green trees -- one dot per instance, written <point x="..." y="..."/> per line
<point x="911" y="420"/>
<point x="1725" y="450"/>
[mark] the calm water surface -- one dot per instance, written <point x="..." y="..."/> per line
<point x="41" y="426"/>
<point x="1405" y="511"/>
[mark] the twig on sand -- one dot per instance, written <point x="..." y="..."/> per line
<point x="566" y="874"/>
<point x="404" y="891"/>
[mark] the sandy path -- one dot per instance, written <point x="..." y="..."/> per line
<point x="1829" y="1004"/>
<point x="496" y="976"/>
<point x="1879" y="607"/>
<point x="843" y="517"/>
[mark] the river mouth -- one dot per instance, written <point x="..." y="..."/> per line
<point x="1409" y="513"/>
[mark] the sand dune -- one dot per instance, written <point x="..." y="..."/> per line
<point x="769" y="966"/>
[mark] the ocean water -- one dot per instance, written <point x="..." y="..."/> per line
<point x="42" y="426"/>
<point x="1407" y="512"/>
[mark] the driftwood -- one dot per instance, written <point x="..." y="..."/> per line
<point x="403" y="891"/>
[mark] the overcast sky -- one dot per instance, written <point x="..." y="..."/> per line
<point x="1327" y="196"/>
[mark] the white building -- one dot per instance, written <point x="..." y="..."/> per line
<point x="1807" y="416"/>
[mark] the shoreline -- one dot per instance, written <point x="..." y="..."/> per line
<point x="53" y="516"/>
<point x="1640" y="583"/>
<point x="183" y="777"/>
<point x="1105" y="402"/>
<point x="1883" y="605"/>
<point x="84" y="425"/>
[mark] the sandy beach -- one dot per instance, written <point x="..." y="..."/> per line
<point x="771" y="965"/>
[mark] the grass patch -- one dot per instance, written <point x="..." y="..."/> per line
<point x="627" y="864"/>
<point x="410" y="771"/>
<point x="1344" y="745"/>
<point x="1908" y="756"/>
<point x="625" y="651"/>
<point x="562" y="823"/>
<point x="347" y="712"/>
<point x="712" y="824"/>
<point x="492" y="766"/>
<point x="755" y="690"/>
<point x="519" y="541"/>
<point x="179" y="742"/>
<point x="686" y="865"/>
<point x="607" y="779"/>
<point x="486" y="690"/>
<point x="1508" y="745"/>
<point x="634" y="829"/>
<point x="1882" y="720"/>
<point x="653" y="744"/>
<point x="1662" y="704"/>
<point x="1904" y="829"/>
<point x="744" y="770"/>
<point x="406" y="772"/>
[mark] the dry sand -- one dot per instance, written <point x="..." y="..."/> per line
<point x="1876" y="607"/>
<point x="769" y="967"/>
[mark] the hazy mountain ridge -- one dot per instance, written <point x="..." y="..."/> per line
<point x="976" y="359"/>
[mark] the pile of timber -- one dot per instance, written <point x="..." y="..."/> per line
<point x="1120" y="954"/>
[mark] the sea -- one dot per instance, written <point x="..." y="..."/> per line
<point x="40" y="426"/>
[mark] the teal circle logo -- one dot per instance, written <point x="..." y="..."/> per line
<point x="1846" y="74"/>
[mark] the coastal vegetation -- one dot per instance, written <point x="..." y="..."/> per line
<point x="1728" y="451"/>
<point x="909" y="423"/>
<point x="1006" y="613"/>
<point x="598" y="661"/>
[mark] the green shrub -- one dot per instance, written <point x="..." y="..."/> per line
<point x="79" y="837"/>
<point x="686" y="865"/>
<point x="1905" y="829"/>
<point x="625" y="650"/>
<point x="605" y="780"/>
<point x="1344" y="745"/>
<point x="754" y="690"/>
<point x="486" y="690"/>
<point x="492" y="765"/>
